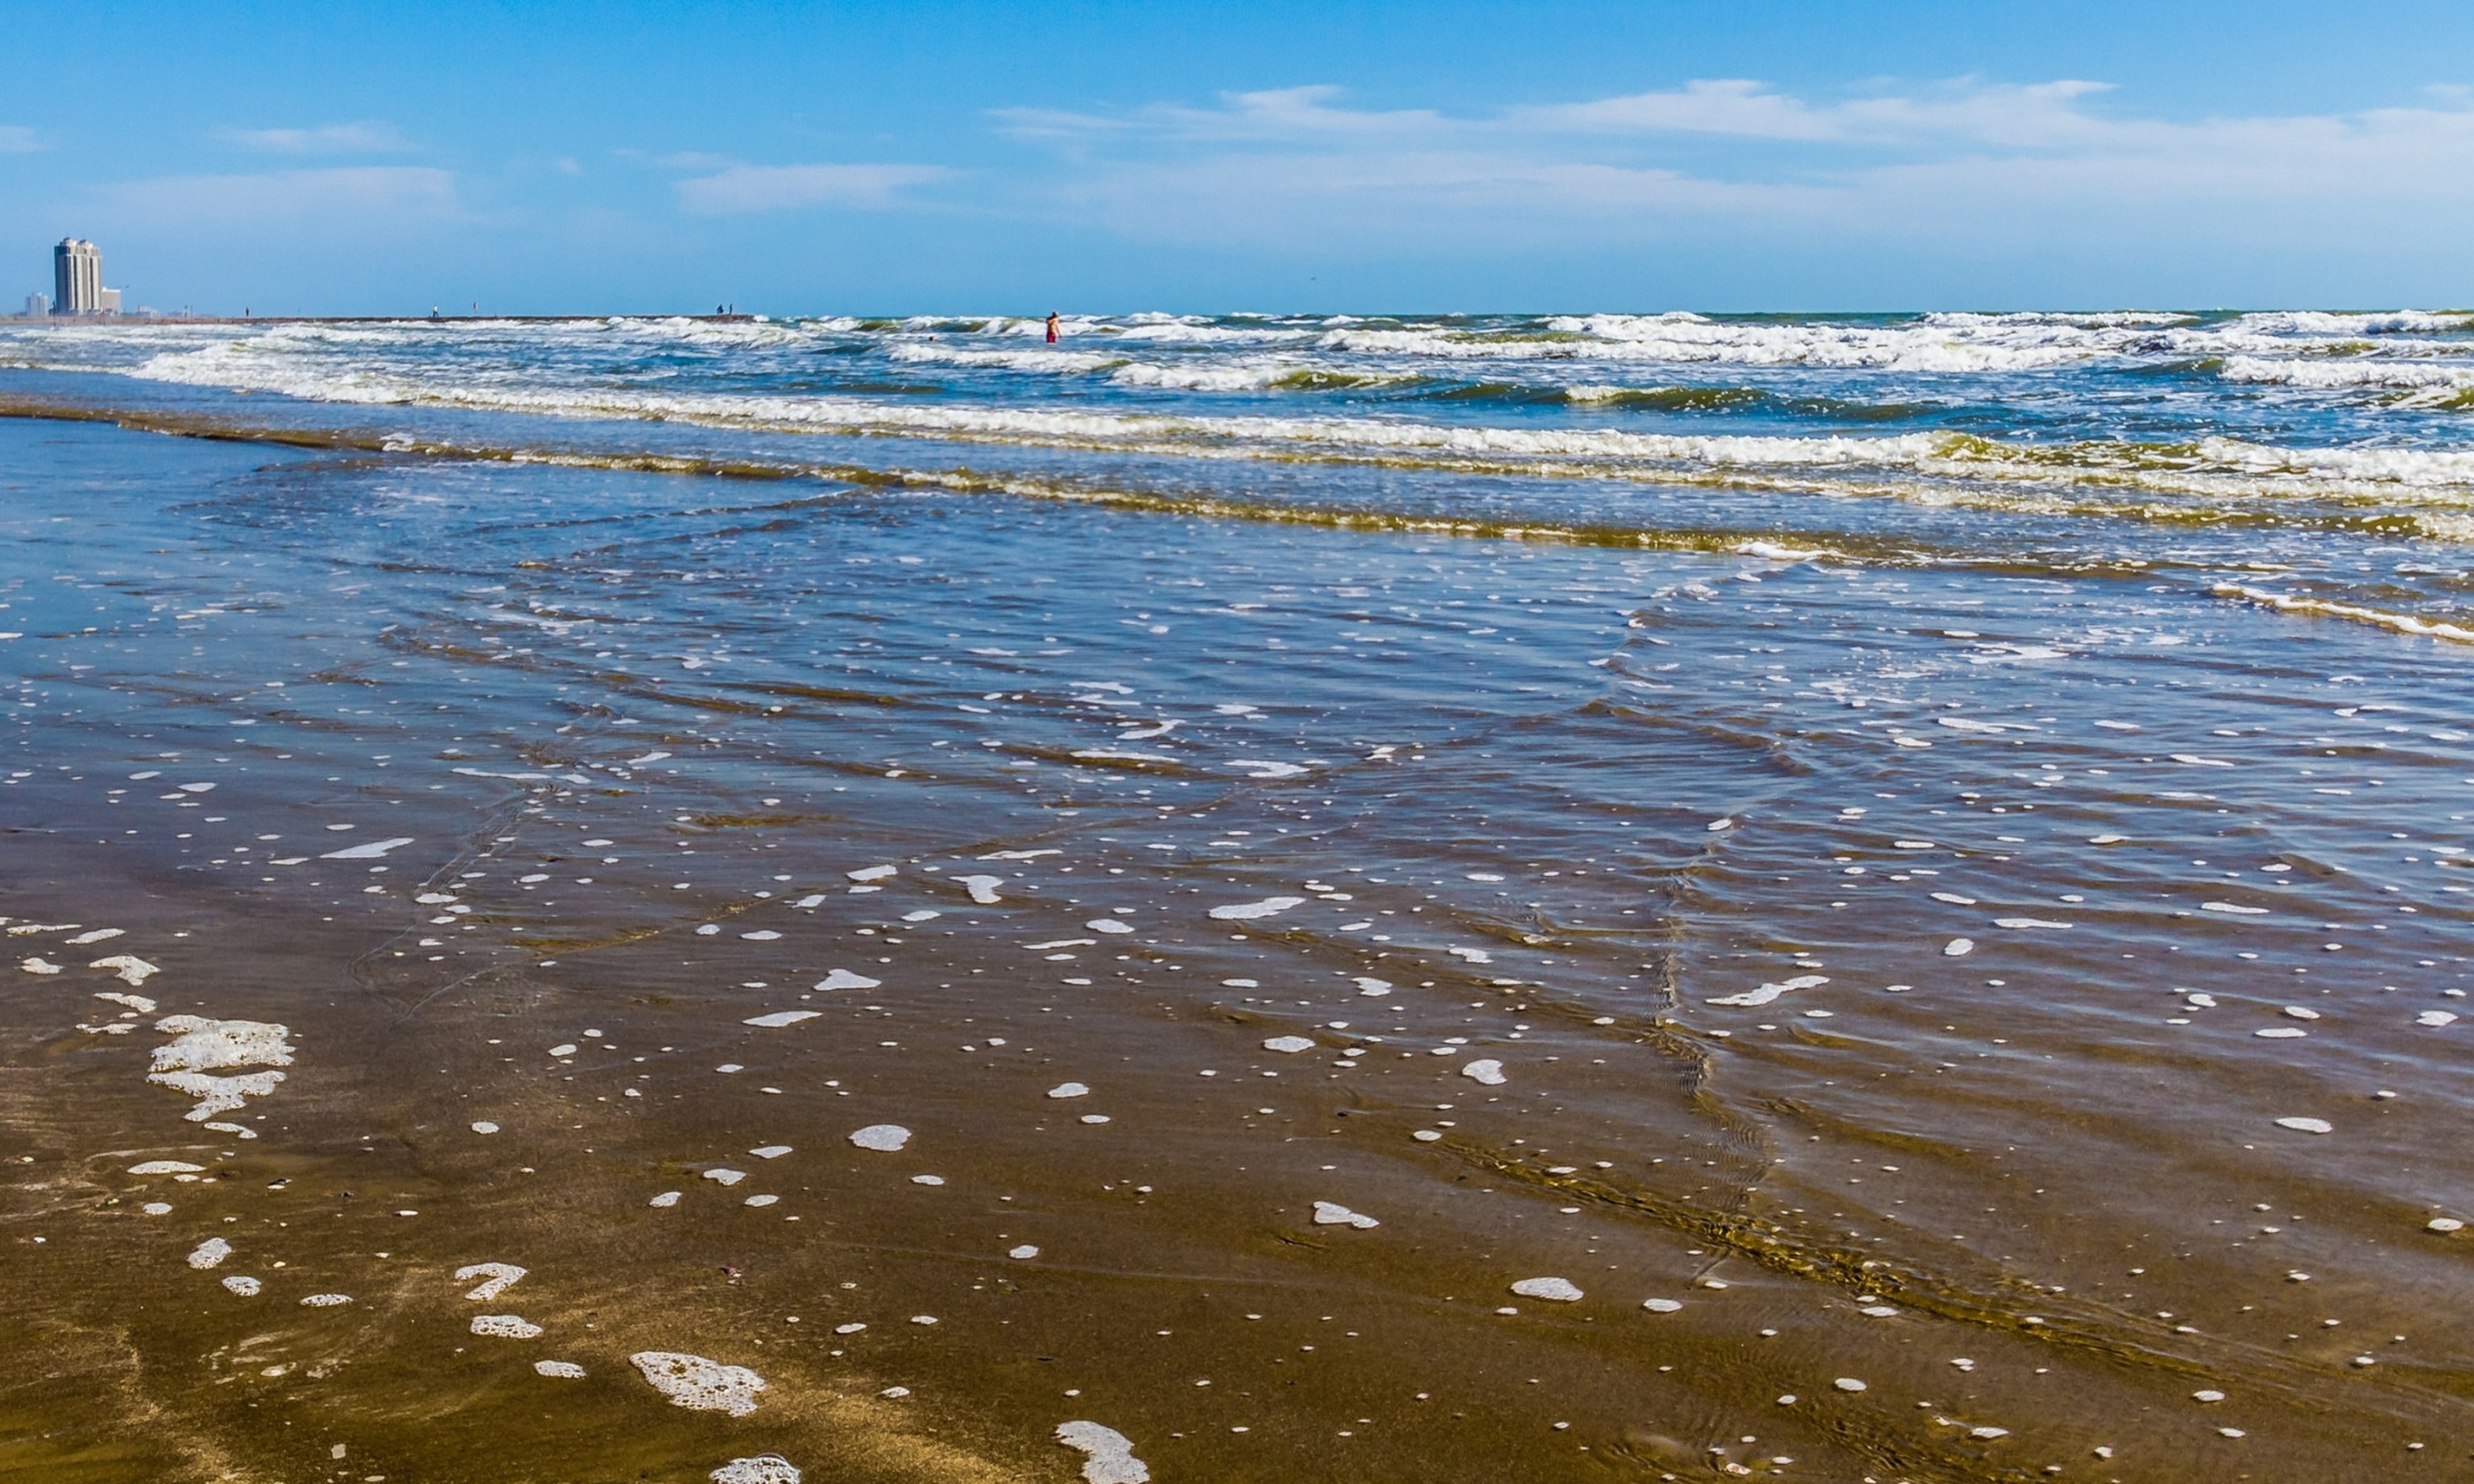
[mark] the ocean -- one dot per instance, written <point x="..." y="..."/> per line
<point x="1652" y="896"/>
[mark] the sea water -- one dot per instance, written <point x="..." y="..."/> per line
<point x="1443" y="897"/>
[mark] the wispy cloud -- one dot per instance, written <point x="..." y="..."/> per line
<point x="367" y="138"/>
<point x="18" y="139"/>
<point x="744" y="188"/>
<point x="1292" y="113"/>
<point x="1718" y="159"/>
<point x="343" y="200"/>
<point x="2044" y="114"/>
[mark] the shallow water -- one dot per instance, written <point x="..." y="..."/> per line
<point x="1867" y="876"/>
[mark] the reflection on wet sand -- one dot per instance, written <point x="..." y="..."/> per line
<point x="549" y="972"/>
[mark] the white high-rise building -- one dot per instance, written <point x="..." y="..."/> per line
<point x="38" y="308"/>
<point x="77" y="279"/>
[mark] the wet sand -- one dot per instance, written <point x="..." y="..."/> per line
<point x="1878" y="983"/>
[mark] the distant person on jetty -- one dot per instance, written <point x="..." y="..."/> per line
<point x="1051" y="327"/>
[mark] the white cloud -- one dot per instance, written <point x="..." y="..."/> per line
<point x="1719" y="160"/>
<point x="17" y="139"/>
<point x="369" y="138"/>
<point x="742" y="188"/>
<point x="2042" y="115"/>
<point x="343" y="200"/>
<point x="1294" y="113"/>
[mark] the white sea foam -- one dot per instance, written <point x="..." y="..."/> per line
<point x="884" y="1137"/>
<point x="311" y="368"/>
<point x="369" y="851"/>
<point x="1110" y="1455"/>
<point x="699" y="1384"/>
<point x="210" y="1251"/>
<point x="1245" y="911"/>
<point x="2400" y="622"/>
<point x="131" y="969"/>
<point x="498" y="1276"/>
<point x="763" y="1469"/>
<point x="202" y="1047"/>
<point x="505" y="1326"/>
<point x="1768" y="992"/>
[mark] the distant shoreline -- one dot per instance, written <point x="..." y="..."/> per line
<point x="363" y="318"/>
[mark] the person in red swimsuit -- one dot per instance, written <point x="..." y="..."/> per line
<point x="1051" y="327"/>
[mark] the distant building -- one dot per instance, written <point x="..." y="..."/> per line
<point x="77" y="279"/>
<point x="38" y="308"/>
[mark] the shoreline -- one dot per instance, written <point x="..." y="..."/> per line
<point x="367" y="319"/>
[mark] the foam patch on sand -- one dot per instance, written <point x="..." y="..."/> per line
<point x="1248" y="911"/>
<point x="505" y="1326"/>
<point x="885" y="1138"/>
<point x="1768" y="992"/>
<point x="844" y="979"/>
<point x="1110" y="1454"/>
<point x="217" y="1094"/>
<point x="781" y="1017"/>
<point x="133" y="970"/>
<point x="202" y="1047"/>
<point x="763" y="1469"/>
<point x="499" y="1276"/>
<point x="559" y="1369"/>
<point x="209" y="1253"/>
<point x="699" y="1384"/>
<point x="370" y="851"/>
<point x="166" y="1167"/>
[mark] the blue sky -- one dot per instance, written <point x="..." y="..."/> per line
<point x="969" y="157"/>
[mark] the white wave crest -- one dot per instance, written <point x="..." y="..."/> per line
<point x="2400" y="622"/>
